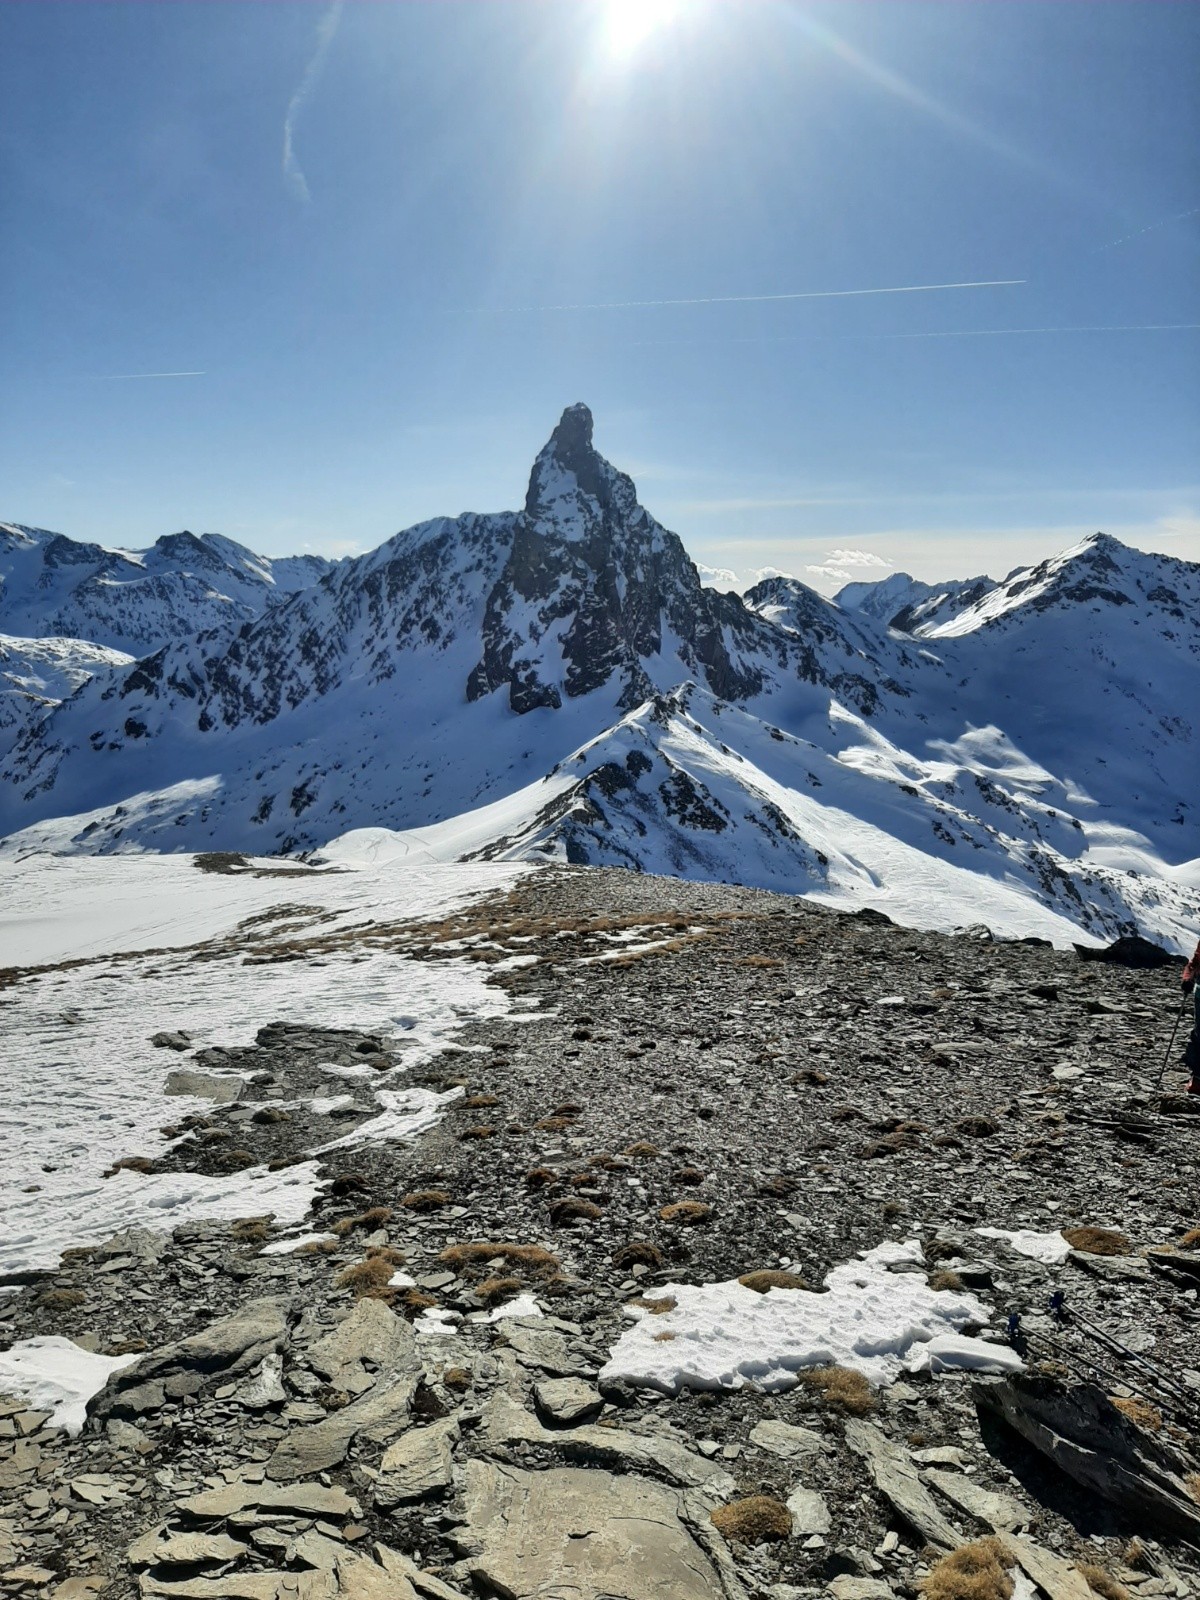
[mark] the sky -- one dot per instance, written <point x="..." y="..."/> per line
<point x="386" y="244"/>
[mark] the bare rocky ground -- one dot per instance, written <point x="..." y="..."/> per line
<point x="814" y="1083"/>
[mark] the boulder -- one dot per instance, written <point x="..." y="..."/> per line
<point x="371" y="1340"/>
<point x="594" y="1535"/>
<point x="896" y="1478"/>
<point x="378" y="1415"/>
<point x="420" y="1463"/>
<point x="1080" y="1430"/>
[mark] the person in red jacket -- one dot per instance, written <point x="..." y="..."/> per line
<point x="1191" y="1059"/>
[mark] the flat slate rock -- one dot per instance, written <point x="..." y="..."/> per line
<point x="420" y="1463"/>
<point x="786" y="1439"/>
<point x="587" y="1534"/>
<point x="371" y="1340"/>
<point x="895" y="1475"/>
<point x="378" y="1415"/>
<point x="299" y="1499"/>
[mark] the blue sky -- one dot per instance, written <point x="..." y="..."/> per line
<point x="369" y="311"/>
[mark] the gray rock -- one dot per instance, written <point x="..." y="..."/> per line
<point x="371" y="1340"/>
<point x="590" y="1534"/>
<point x="541" y="1348"/>
<point x="160" y="1548"/>
<point x="298" y="1499"/>
<point x="221" y="1088"/>
<point x="265" y="1387"/>
<point x="225" y="1349"/>
<point x="809" y="1512"/>
<point x="567" y="1400"/>
<point x="420" y="1463"/>
<point x="1000" y="1512"/>
<point x="847" y="1587"/>
<point x="506" y="1422"/>
<point x="895" y="1476"/>
<point x="378" y="1415"/>
<point x="786" y="1439"/>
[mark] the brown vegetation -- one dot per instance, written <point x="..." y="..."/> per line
<point x="771" y="1278"/>
<point x="976" y="1571"/>
<point x="493" y="1290"/>
<point x="565" y="1212"/>
<point x="534" y="1259"/>
<point x="642" y="1150"/>
<point x="686" y="1213"/>
<point x="426" y="1200"/>
<point x="637" y="1253"/>
<point x="755" y="1520"/>
<point x="1102" y="1582"/>
<point x="1139" y="1411"/>
<point x="1098" y="1241"/>
<point x="365" y="1277"/>
<point x="841" y="1388"/>
<point x="945" y="1279"/>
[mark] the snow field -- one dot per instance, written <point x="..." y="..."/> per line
<point x="872" y="1320"/>
<point x="53" y="1374"/>
<point x="83" y="1086"/>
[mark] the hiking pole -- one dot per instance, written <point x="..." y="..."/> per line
<point x="1163" y="1070"/>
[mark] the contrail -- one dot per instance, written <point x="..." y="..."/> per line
<point x="1151" y="227"/>
<point x="326" y="29"/>
<point x="113" y="377"/>
<point x="755" y="299"/>
<point x="950" y="333"/>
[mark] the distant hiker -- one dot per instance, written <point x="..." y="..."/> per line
<point x="1191" y="1059"/>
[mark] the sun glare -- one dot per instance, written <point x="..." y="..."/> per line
<point x="629" y="23"/>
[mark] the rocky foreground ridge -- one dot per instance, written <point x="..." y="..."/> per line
<point x="715" y="1083"/>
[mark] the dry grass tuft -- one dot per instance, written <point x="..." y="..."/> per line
<point x="493" y="1290"/>
<point x="540" y="1178"/>
<point x="1192" y="1483"/>
<point x="642" y="1150"/>
<point x="688" y="1177"/>
<point x="686" y="1213"/>
<point x="755" y="1520"/>
<point x="565" y="1212"/>
<point x="759" y="961"/>
<point x="534" y="1259"/>
<point x="975" y="1571"/>
<point x="1134" y="1553"/>
<point x="364" y="1277"/>
<point x="252" y="1230"/>
<point x="1098" y="1241"/>
<point x="1102" y="1582"/>
<point x="478" y="1133"/>
<point x="554" y="1124"/>
<point x="386" y="1252"/>
<point x="458" y="1378"/>
<point x="656" y="1308"/>
<point x="478" y="1102"/>
<point x="665" y="1338"/>
<point x="142" y="1164"/>
<point x="945" y="1279"/>
<point x="771" y="1278"/>
<point x="426" y="1200"/>
<point x="60" y="1299"/>
<point x="812" y="1076"/>
<point x="841" y="1388"/>
<point x="637" y="1253"/>
<point x="942" y="1250"/>
<point x="1191" y="1239"/>
<point x="977" y="1127"/>
<point x="1139" y="1411"/>
<point x="417" y="1300"/>
<point x="374" y="1218"/>
<point x="318" y="1247"/>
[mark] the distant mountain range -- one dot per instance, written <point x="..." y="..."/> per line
<point x="556" y="682"/>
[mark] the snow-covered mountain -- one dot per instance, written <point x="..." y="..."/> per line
<point x="557" y="681"/>
<point x="36" y="674"/>
<point x="135" y="600"/>
<point x="893" y="599"/>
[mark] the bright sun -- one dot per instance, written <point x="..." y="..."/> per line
<point x="627" y="23"/>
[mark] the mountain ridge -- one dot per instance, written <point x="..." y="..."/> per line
<point x="559" y="671"/>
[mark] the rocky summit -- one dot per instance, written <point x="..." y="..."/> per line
<point x="618" y="1324"/>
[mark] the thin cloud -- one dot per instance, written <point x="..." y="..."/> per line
<point x="120" y="377"/>
<point x="948" y="333"/>
<point x="1151" y="227"/>
<point x="755" y="299"/>
<point x="857" y="558"/>
<point x="326" y="28"/>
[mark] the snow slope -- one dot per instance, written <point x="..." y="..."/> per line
<point x="97" y="932"/>
<point x="36" y="674"/>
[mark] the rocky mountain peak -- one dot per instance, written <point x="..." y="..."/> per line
<point x="572" y="488"/>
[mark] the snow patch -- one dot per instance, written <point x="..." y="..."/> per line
<point x="53" y="1374"/>
<point x="724" y="1335"/>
